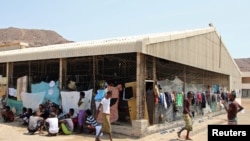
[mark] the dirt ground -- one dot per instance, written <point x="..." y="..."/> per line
<point x="15" y="132"/>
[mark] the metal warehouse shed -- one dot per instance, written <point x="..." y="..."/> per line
<point x="198" y="49"/>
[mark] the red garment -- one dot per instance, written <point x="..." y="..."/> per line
<point x="8" y="116"/>
<point x="199" y="98"/>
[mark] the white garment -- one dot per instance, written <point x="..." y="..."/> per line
<point x="106" y="105"/>
<point x="53" y="125"/>
<point x="83" y="105"/>
<point x="12" y="92"/>
<point x="32" y="100"/>
<point x="70" y="100"/>
<point x="98" y="130"/>
<point x="88" y="96"/>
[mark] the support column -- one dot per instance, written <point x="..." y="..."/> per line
<point x="140" y="81"/>
<point x="94" y="72"/>
<point x="62" y="73"/>
<point x="9" y="74"/>
<point x="185" y="79"/>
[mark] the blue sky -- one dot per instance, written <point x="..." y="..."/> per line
<point x="82" y="20"/>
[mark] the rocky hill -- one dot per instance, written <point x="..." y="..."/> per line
<point x="34" y="37"/>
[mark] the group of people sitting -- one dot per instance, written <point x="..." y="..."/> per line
<point x="49" y="117"/>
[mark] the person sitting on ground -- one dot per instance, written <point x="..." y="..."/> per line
<point x="7" y="114"/>
<point x="71" y="113"/>
<point x="66" y="125"/>
<point x="51" y="124"/>
<point x="42" y="112"/>
<point x="74" y="117"/>
<point x="91" y="123"/>
<point x="25" y="115"/>
<point x="29" y="114"/>
<point x="35" y="123"/>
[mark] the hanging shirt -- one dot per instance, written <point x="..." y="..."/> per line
<point x="203" y="103"/>
<point x="179" y="99"/>
<point x="168" y="98"/>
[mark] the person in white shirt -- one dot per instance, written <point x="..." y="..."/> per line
<point x="106" y="125"/>
<point x="52" y="124"/>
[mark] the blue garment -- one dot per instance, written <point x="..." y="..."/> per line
<point x="168" y="98"/>
<point x="18" y="105"/>
<point x="51" y="93"/>
<point x="203" y="101"/>
<point x="161" y="99"/>
<point x="100" y="94"/>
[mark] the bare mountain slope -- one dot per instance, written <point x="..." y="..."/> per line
<point x="34" y="37"/>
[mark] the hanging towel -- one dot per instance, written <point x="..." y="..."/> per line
<point x="32" y="100"/>
<point x="69" y="100"/>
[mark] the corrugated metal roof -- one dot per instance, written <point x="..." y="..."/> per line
<point x="96" y="47"/>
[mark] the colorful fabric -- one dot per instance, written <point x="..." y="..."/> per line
<point x="18" y="105"/>
<point x="106" y="126"/>
<point x="199" y="98"/>
<point x="100" y="94"/>
<point x="65" y="130"/>
<point x="51" y="93"/>
<point x="188" y="122"/>
<point x="179" y="98"/>
<point x="81" y="117"/>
